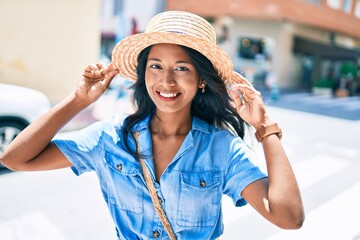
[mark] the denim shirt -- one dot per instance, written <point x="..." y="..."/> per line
<point x="210" y="163"/>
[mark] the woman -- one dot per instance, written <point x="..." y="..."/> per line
<point x="163" y="170"/>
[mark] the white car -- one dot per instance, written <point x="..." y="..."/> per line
<point x="19" y="106"/>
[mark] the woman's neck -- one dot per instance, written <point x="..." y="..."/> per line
<point x="167" y="125"/>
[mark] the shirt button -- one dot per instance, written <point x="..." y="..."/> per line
<point x="119" y="167"/>
<point x="156" y="234"/>
<point x="202" y="183"/>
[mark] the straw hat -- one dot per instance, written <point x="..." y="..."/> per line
<point x="175" y="27"/>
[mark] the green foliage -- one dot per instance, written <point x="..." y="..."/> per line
<point x="325" y="83"/>
<point x="348" y="68"/>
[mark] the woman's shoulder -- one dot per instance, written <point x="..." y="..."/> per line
<point x="213" y="131"/>
<point x="105" y="127"/>
<point x="117" y="120"/>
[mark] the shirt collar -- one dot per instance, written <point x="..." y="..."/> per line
<point x="197" y="124"/>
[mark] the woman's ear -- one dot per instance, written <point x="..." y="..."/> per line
<point x="202" y="83"/>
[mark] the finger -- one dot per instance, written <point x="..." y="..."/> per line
<point x="91" y="77"/>
<point x="93" y="66"/>
<point x="238" y="78"/>
<point x="89" y="68"/>
<point x="243" y="88"/>
<point x="103" y="70"/>
<point x="237" y="98"/>
<point x="241" y="78"/>
<point x="249" y="97"/>
<point x="101" y="65"/>
<point x="110" y="76"/>
<point x="95" y="73"/>
<point x="246" y="93"/>
<point x="106" y="71"/>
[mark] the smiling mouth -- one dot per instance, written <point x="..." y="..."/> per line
<point x="167" y="96"/>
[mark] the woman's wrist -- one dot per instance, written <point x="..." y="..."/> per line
<point x="79" y="101"/>
<point x="267" y="130"/>
<point x="267" y="121"/>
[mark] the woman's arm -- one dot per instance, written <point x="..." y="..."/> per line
<point x="32" y="149"/>
<point x="277" y="197"/>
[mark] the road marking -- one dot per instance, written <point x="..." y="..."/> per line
<point x="335" y="219"/>
<point x="317" y="168"/>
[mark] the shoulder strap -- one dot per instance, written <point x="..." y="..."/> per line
<point x="152" y="190"/>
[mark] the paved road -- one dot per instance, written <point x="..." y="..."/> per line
<point x="344" y="108"/>
<point x="325" y="154"/>
<point x="324" y="151"/>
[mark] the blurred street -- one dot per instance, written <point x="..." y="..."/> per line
<point x="302" y="55"/>
<point x="324" y="151"/>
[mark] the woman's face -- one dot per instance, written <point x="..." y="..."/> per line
<point x="171" y="78"/>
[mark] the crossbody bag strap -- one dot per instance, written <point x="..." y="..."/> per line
<point x="152" y="190"/>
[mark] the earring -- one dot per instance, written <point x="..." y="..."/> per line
<point x="203" y="88"/>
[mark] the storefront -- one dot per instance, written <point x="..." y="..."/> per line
<point x="329" y="68"/>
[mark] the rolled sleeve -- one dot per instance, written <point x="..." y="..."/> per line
<point x="83" y="148"/>
<point x="240" y="172"/>
<point x="79" y="160"/>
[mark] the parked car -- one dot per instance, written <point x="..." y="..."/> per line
<point x="19" y="106"/>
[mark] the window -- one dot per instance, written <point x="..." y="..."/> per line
<point x="118" y="6"/>
<point x="344" y="5"/>
<point x="252" y="48"/>
<point x="347" y="6"/>
<point x="357" y="9"/>
<point x="336" y="4"/>
<point x="314" y="2"/>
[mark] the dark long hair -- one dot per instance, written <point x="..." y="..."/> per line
<point x="214" y="106"/>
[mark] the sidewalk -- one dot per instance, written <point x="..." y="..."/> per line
<point x="343" y="108"/>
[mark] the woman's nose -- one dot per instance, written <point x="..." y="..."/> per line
<point x="167" y="78"/>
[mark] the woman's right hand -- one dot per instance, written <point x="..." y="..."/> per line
<point x="32" y="149"/>
<point x="96" y="79"/>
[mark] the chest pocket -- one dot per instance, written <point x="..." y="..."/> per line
<point x="200" y="198"/>
<point x="125" y="186"/>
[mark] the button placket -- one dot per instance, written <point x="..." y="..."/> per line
<point x="159" y="194"/>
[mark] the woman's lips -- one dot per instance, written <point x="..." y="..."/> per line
<point x="168" y="96"/>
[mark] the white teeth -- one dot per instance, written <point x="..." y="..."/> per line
<point x="168" y="95"/>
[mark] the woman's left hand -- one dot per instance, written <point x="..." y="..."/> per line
<point x="248" y="102"/>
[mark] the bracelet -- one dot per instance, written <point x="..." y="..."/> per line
<point x="265" y="131"/>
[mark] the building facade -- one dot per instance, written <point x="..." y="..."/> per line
<point x="46" y="44"/>
<point x="121" y="18"/>
<point x="296" y="44"/>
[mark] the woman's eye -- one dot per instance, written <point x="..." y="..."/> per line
<point x="182" y="68"/>
<point x="155" y="66"/>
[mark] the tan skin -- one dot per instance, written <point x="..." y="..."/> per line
<point x="169" y="71"/>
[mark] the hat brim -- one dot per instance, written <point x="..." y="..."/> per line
<point x="125" y="53"/>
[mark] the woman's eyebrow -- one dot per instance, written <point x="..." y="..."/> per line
<point x="179" y="61"/>
<point x="183" y="61"/>
<point x="154" y="59"/>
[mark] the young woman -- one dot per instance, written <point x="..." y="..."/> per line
<point x="163" y="169"/>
